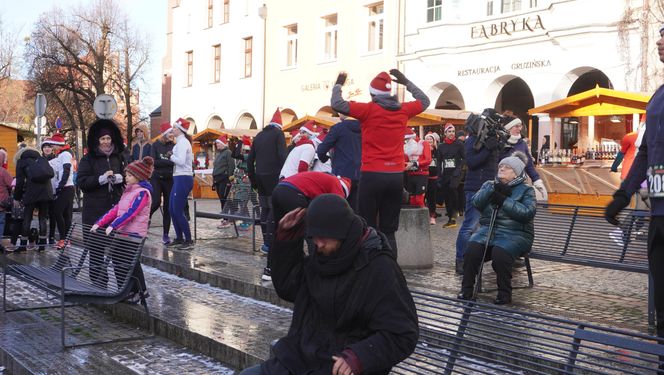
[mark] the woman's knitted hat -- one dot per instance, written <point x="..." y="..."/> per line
<point x="517" y="161"/>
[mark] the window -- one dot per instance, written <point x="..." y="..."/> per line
<point x="247" y="56"/>
<point x="510" y="6"/>
<point x="489" y="8"/>
<point x="330" y="36"/>
<point x="216" y="74"/>
<point x="376" y="19"/>
<point x="533" y="3"/>
<point x="210" y="16"/>
<point x="434" y="10"/>
<point x="227" y="9"/>
<point x="190" y="68"/>
<point x="291" y="45"/>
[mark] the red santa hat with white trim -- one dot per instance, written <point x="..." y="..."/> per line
<point x="223" y="139"/>
<point x="58" y="139"/>
<point x="182" y="124"/>
<point x="381" y="85"/>
<point x="310" y="128"/>
<point x="165" y="128"/>
<point x="409" y="133"/>
<point x="246" y="142"/>
<point x="276" y="119"/>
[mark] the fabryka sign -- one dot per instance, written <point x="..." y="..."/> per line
<point x="508" y="28"/>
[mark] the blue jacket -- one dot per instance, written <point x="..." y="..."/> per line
<point x="651" y="152"/>
<point x="509" y="149"/>
<point x="513" y="230"/>
<point x="346" y="140"/>
<point x="482" y="165"/>
<point x="136" y="151"/>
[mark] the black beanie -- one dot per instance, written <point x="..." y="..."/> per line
<point x="329" y="216"/>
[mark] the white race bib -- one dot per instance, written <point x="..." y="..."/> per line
<point x="656" y="181"/>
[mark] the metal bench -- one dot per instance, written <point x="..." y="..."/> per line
<point x="92" y="268"/>
<point x="465" y="337"/>
<point x="241" y="204"/>
<point x="580" y="235"/>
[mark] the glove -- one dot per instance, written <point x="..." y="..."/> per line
<point x="620" y="201"/>
<point x="539" y="186"/>
<point x="497" y="198"/>
<point x="118" y="178"/>
<point x="103" y="179"/>
<point x="492" y="143"/>
<point x="341" y="78"/>
<point x="503" y="189"/>
<point x="399" y="77"/>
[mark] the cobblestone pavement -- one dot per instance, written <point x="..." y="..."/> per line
<point x="30" y="342"/>
<point x="607" y="297"/>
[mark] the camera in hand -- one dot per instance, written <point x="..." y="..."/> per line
<point x="487" y="126"/>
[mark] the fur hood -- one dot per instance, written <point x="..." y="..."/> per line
<point x="93" y="135"/>
<point x="23" y="150"/>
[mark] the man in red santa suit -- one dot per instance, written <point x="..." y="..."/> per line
<point x="417" y="155"/>
<point x="301" y="158"/>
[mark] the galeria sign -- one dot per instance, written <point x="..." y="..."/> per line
<point x="507" y="27"/>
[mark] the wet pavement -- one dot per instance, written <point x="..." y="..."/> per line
<point x="210" y="300"/>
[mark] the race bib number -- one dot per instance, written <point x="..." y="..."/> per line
<point x="450" y="163"/>
<point x="655" y="181"/>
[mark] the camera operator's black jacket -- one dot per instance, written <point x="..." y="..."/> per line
<point x="355" y="300"/>
<point x="97" y="199"/>
<point x="482" y="165"/>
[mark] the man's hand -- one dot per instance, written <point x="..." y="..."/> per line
<point x="292" y="219"/>
<point x="340" y="366"/>
<point x="620" y="201"/>
<point x="341" y="78"/>
<point x="109" y="230"/>
<point x="399" y="77"/>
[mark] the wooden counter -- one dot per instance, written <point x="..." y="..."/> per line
<point x="591" y="184"/>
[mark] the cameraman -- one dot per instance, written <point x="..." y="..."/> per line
<point x="481" y="153"/>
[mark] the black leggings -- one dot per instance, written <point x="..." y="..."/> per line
<point x="162" y="190"/>
<point x="27" y="218"/>
<point x="502" y="262"/>
<point x="430" y="196"/>
<point x="63" y="208"/>
<point x="380" y="202"/>
<point x="222" y="188"/>
<point x="450" y="195"/>
<point x="656" y="264"/>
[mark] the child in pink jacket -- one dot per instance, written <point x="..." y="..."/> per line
<point x="131" y="216"/>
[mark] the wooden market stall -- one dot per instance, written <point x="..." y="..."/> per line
<point x="320" y="120"/>
<point x="434" y="119"/>
<point x="204" y="154"/>
<point x="9" y="140"/>
<point x="591" y="126"/>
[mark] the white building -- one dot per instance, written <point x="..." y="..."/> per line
<point x="217" y="63"/>
<point x="516" y="55"/>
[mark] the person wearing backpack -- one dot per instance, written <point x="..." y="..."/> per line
<point x="34" y="190"/>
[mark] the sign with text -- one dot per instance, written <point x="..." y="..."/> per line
<point x="509" y="27"/>
<point x="491" y="69"/>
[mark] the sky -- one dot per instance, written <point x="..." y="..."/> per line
<point x="148" y="15"/>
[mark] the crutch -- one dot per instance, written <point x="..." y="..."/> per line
<point x="478" y="277"/>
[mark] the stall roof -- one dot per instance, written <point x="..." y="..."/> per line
<point x="440" y="116"/>
<point x="595" y="102"/>
<point x="325" y="121"/>
<point x="210" y="134"/>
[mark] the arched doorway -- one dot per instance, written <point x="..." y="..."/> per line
<point x="515" y="98"/>
<point x="579" y="80"/>
<point x="326" y="111"/>
<point x="288" y="116"/>
<point x="246" y="121"/>
<point x="215" y="122"/>
<point x="449" y="96"/>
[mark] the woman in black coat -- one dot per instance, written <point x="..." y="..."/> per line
<point x="32" y="194"/>
<point x="101" y="178"/>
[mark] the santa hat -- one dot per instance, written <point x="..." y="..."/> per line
<point x="276" y="119"/>
<point x="449" y="126"/>
<point x="409" y="133"/>
<point x="345" y="185"/>
<point x="246" y="142"/>
<point x="141" y="169"/>
<point x="47" y="142"/>
<point x="381" y="85"/>
<point x="222" y="139"/>
<point x="432" y="135"/>
<point x="165" y="128"/>
<point x="294" y="133"/>
<point x="58" y="139"/>
<point x="182" y="124"/>
<point x="310" y="128"/>
<point x="511" y="122"/>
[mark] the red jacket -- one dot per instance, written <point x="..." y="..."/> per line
<point x="382" y="134"/>
<point x="313" y="184"/>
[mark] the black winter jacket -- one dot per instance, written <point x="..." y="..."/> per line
<point x="27" y="191"/>
<point x="163" y="166"/>
<point x="266" y="158"/>
<point x="366" y="308"/>
<point x="98" y="199"/>
<point x="451" y="159"/>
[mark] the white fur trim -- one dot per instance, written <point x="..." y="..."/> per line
<point x="513" y="123"/>
<point x="344" y="187"/>
<point x="379" y="92"/>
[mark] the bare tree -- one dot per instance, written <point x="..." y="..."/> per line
<point x="75" y="56"/>
<point x="7" y="46"/>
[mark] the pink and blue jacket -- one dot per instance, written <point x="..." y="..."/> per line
<point x="132" y="214"/>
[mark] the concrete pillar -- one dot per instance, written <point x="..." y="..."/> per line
<point x="414" y="238"/>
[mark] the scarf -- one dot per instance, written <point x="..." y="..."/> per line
<point x="108" y="151"/>
<point x="513" y="139"/>
<point x="449" y="141"/>
<point x="342" y="259"/>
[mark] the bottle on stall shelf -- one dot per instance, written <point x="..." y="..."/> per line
<point x="574" y="159"/>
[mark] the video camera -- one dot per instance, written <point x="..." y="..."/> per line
<point x="486" y="125"/>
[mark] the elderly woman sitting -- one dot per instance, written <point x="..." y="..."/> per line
<point x="513" y="231"/>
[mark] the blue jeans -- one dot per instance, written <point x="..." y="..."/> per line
<point x="2" y="224"/>
<point x="471" y="220"/>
